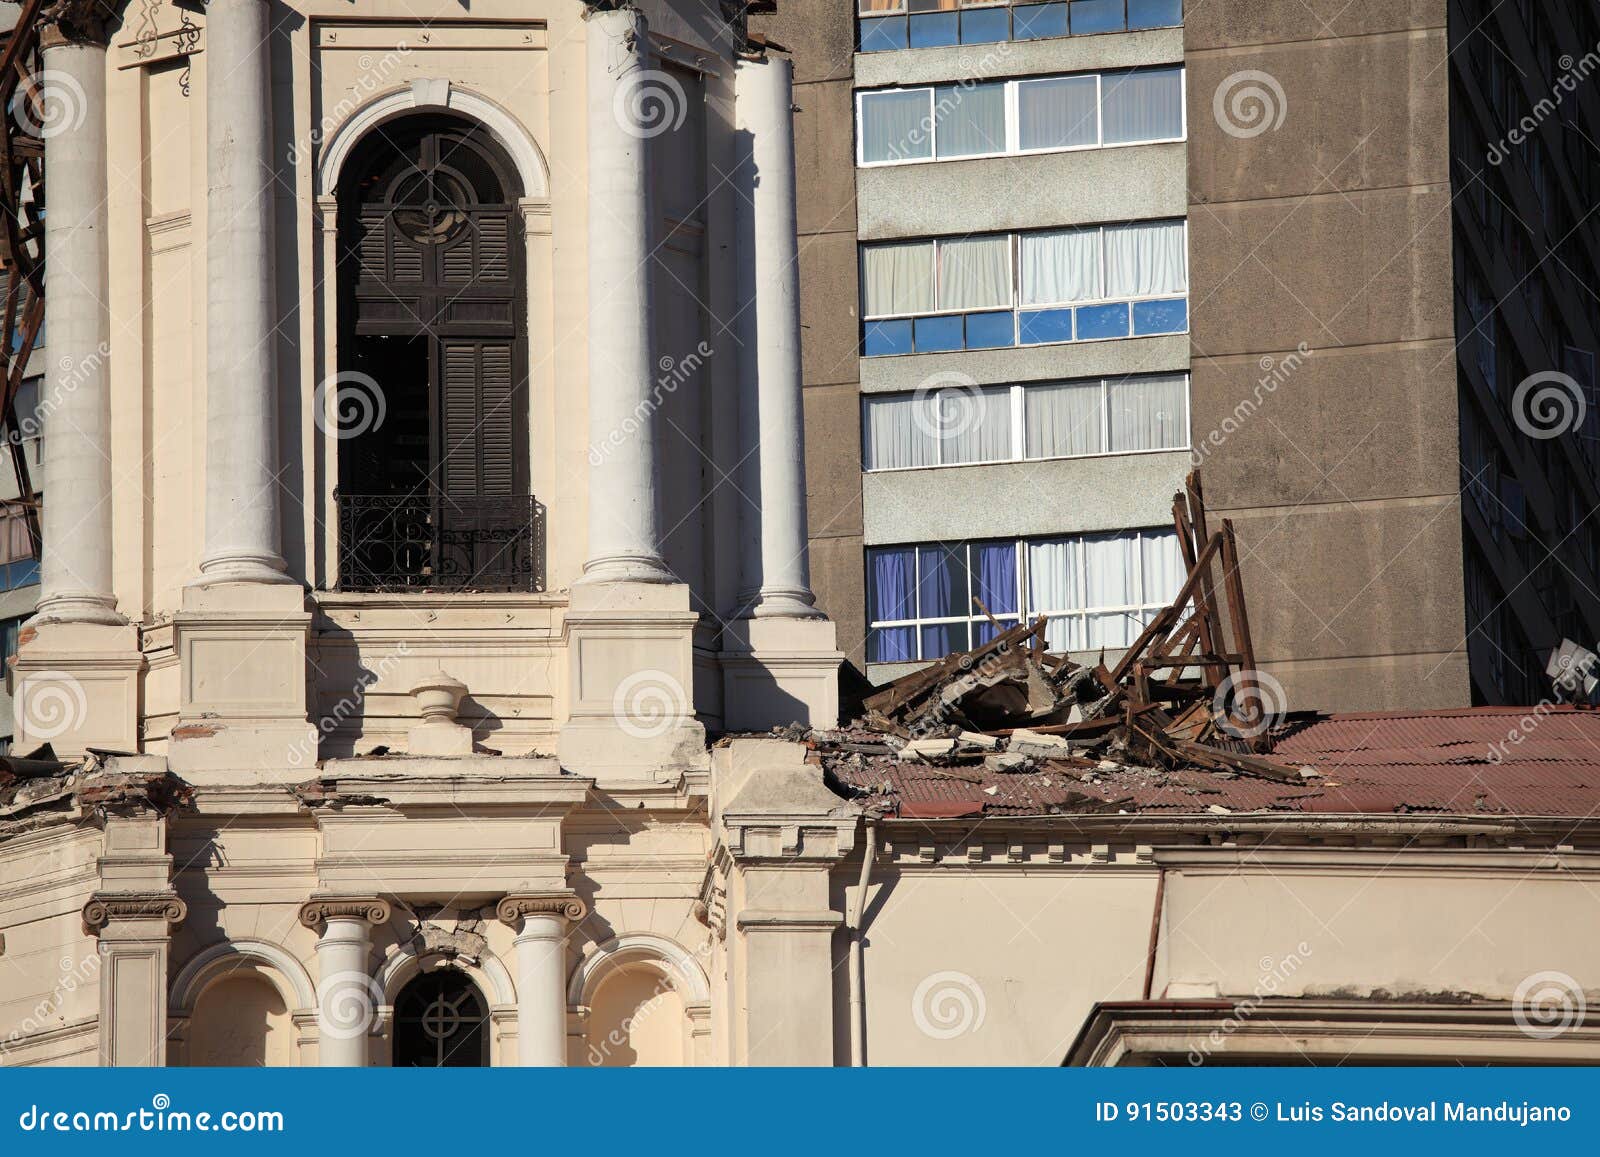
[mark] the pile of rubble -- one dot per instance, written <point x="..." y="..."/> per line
<point x="1183" y="700"/>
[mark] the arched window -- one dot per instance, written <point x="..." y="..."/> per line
<point x="432" y="387"/>
<point x="440" y="1022"/>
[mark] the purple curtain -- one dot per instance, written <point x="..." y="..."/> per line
<point x="890" y="577"/>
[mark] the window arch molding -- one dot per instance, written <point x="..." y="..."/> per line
<point x="673" y="961"/>
<point x="267" y="962"/>
<point x="435" y="96"/>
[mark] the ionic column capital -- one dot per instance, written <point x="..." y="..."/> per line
<point x="106" y="908"/>
<point x="513" y="910"/>
<point x="316" y="913"/>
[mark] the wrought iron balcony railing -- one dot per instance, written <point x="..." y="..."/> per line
<point x="432" y="542"/>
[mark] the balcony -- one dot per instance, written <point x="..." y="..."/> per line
<point x="430" y="542"/>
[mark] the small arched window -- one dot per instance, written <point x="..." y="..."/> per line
<point x="432" y="390"/>
<point x="440" y="1022"/>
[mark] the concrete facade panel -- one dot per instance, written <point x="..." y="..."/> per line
<point x="1230" y="23"/>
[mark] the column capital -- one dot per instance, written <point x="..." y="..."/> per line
<point x="514" y="909"/>
<point x="314" y="913"/>
<point x="105" y="908"/>
<point x="81" y="22"/>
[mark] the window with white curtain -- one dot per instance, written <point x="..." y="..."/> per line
<point x="1034" y="420"/>
<point x="1086" y="283"/>
<point x="1034" y="114"/>
<point x="926" y="600"/>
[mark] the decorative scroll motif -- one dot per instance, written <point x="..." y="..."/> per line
<point x="105" y="907"/>
<point x="188" y="39"/>
<point x="513" y="909"/>
<point x="317" y="912"/>
<point x="147" y="34"/>
<point x="434" y="542"/>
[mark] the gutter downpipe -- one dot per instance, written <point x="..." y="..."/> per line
<point x="858" y="905"/>
<point x="1155" y="932"/>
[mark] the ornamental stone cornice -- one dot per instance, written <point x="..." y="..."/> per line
<point x="315" y="913"/>
<point x="513" y="909"/>
<point x="106" y="908"/>
<point x="77" y="22"/>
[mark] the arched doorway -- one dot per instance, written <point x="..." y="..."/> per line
<point x="440" y="1022"/>
<point x="432" y="407"/>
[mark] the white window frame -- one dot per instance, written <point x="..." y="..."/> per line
<point x="1140" y="611"/>
<point x="1019" y="424"/>
<point x="1013" y="120"/>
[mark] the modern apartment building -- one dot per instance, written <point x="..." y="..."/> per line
<point x="1054" y="255"/>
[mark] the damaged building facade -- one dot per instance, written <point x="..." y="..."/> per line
<point x="425" y="572"/>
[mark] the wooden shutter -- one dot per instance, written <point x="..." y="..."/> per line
<point x="478" y="400"/>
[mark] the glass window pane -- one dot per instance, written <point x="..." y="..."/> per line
<point x="1113" y="631"/>
<point x="1149" y="413"/>
<point x="971" y="118"/>
<point x="874" y="7"/>
<point x="896" y="126"/>
<point x="935" y="31"/>
<point x="1160" y="316"/>
<point x="1098" y="322"/>
<point x="938" y="334"/>
<point x="897" y="278"/>
<point x="1143" y="105"/>
<point x="892" y="645"/>
<point x="1066" y="634"/>
<point x="887" y="338"/>
<point x="995" y="580"/>
<point x="975" y="425"/>
<point x="1090" y="16"/>
<point x="1062" y="420"/>
<point x="942" y="639"/>
<point x="1061" y="265"/>
<point x="942" y="592"/>
<point x="1155" y="13"/>
<point x="1163" y="567"/>
<point x="1054" y="114"/>
<point x="891" y="574"/>
<point x="900" y="432"/>
<point x="990" y="330"/>
<point x="1053" y="574"/>
<point x="883" y="34"/>
<point x="1036" y="21"/>
<point x="1146" y="259"/>
<point x="1111" y="569"/>
<point x="975" y="273"/>
<point x="1043" y="326"/>
<point x="985" y="26"/>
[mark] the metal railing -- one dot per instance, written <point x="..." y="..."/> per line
<point x="432" y="542"/>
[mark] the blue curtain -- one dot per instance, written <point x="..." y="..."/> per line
<point x="891" y="575"/>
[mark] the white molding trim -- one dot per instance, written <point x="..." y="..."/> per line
<point x="425" y="94"/>
<point x="670" y="958"/>
<point x="491" y="976"/>
<point x="212" y="963"/>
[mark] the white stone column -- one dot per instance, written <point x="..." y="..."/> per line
<point x="776" y="569"/>
<point x="75" y="572"/>
<point x="624" y="521"/>
<point x="347" y="994"/>
<point x="541" y="974"/>
<point x="242" y="533"/>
